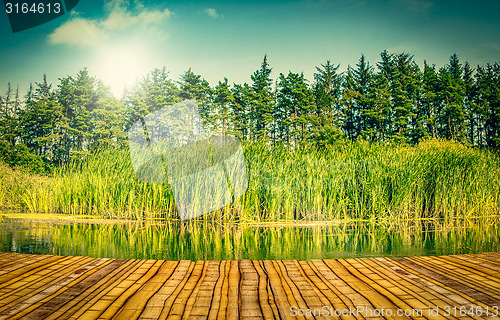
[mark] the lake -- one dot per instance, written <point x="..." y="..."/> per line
<point x="203" y="241"/>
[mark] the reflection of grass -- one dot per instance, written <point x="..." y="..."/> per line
<point x="209" y="241"/>
<point x="348" y="181"/>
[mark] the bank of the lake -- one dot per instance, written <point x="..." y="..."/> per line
<point x="347" y="181"/>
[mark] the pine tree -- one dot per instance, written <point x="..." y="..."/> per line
<point x="152" y="93"/>
<point x="242" y="95"/>
<point x="109" y="119"/>
<point x="327" y="91"/>
<point x="223" y="98"/>
<point x="430" y="100"/>
<point x="348" y="114"/>
<point x="377" y="117"/>
<point x="193" y="86"/>
<point x="488" y="82"/>
<point x="325" y="118"/>
<point x="452" y="115"/>
<point x="262" y="101"/>
<point x="40" y="122"/>
<point x="470" y="107"/>
<point x="365" y="110"/>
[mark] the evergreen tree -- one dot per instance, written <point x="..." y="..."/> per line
<point x="348" y="114"/>
<point x="242" y="95"/>
<point x="364" y="109"/>
<point x="327" y="92"/>
<point x="295" y="101"/>
<point x="470" y="107"/>
<point x="262" y="101"/>
<point x="452" y="115"/>
<point x="488" y="82"/>
<point x="152" y="93"/>
<point x="109" y="119"/>
<point x="193" y="86"/>
<point x="430" y="100"/>
<point x="40" y="121"/>
<point x="223" y="98"/>
<point x="377" y="116"/>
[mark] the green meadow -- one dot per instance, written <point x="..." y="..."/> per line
<point x="344" y="181"/>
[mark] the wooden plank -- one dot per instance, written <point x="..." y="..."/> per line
<point x="266" y="298"/>
<point x="37" y="282"/>
<point x="18" y="272"/>
<point x="232" y="310"/>
<point x="450" y="296"/>
<point x="66" y="275"/>
<point x="412" y="292"/>
<point x="159" y="305"/>
<point x="439" y="280"/>
<point x="208" y="299"/>
<point x="215" y="305"/>
<point x="105" y="294"/>
<point x="339" y="300"/>
<point x="459" y="281"/>
<point x="282" y="281"/>
<point x="305" y="289"/>
<point x="54" y="287"/>
<point x="206" y="296"/>
<point x="376" y="293"/>
<point x="249" y="291"/>
<point x="112" y="307"/>
<point x="181" y="301"/>
<point x="93" y="288"/>
<point x="136" y="303"/>
<point x="275" y="285"/>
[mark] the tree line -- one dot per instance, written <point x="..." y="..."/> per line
<point x="393" y="101"/>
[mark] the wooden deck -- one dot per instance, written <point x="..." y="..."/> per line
<point x="56" y="287"/>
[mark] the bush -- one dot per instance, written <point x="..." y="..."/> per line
<point x="21" y="156"/>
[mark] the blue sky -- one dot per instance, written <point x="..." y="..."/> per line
<point x="119" y="41"/>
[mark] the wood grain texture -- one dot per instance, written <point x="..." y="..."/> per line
<point x="57" y="287"/>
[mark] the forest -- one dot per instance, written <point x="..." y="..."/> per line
<point x="394" y="102"/>
<point x="377" y="141"/>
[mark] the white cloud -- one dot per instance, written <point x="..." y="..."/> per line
<point x="212" y="13"/>
<point x="78" y="31"/>
<point x="119" y="19"/>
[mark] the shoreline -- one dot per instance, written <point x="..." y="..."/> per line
<point x="61" y="218"/>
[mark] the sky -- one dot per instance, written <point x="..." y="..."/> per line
<point x="120" y="41"/>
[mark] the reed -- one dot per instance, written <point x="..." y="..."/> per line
<point x="349" y="181"/>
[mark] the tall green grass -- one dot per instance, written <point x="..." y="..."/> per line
<point x="346" y="181"/>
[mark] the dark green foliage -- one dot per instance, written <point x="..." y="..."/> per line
<point x="262" y="102"/>
<point x="153" y="92"/>
<point x="223" y="98"/>
<point x="488" y="80"/>
<point x="452" y="115"/>
<point x="396" y="102"/>
<point x="192" y="86"/>
<point x="21" y="156"/>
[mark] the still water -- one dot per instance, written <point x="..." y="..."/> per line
<point x="191" y="241"/>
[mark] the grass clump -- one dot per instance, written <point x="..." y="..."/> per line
<point x="348" y="181"/>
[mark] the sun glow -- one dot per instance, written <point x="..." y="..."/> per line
<point x="120" y="67"/>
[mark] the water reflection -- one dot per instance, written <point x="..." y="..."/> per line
<point x="194" y="241"/>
